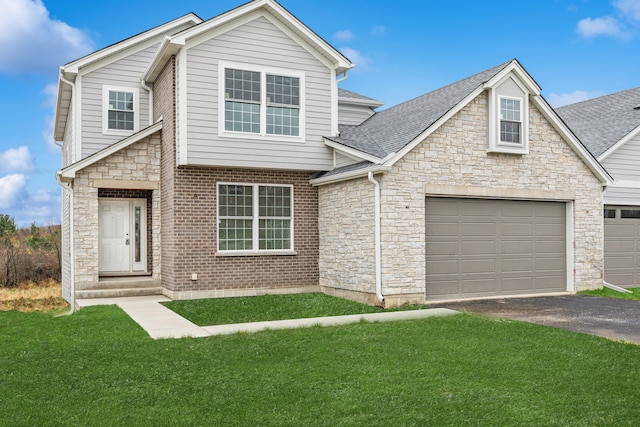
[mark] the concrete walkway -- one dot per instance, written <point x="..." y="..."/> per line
<point x="160" y="322"/>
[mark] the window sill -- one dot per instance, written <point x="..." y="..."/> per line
<point x="254" y="253"/>
<point x="509" y="149"/>
<point x="261" y="137"/>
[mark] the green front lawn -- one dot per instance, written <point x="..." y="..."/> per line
<point x="97" y="367"/>
<point x="610" y="293"/>
<point x="221" y="311"/>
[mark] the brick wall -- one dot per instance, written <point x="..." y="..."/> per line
<point x="195" y="237"/>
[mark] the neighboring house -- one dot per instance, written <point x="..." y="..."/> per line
<point x="610" y="128"/>
<point x="219" y="158"/>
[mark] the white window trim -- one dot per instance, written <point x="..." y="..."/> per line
<point x="495" y="144"/>
<point x="255" y="222"/>
<point x="105" y="109"/>
<point x="262" y="135"/>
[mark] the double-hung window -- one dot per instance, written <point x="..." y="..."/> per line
<point x="120" y="109"/>
<point x="255" y="217"/>
<point x="262" y="102"/>
<point x="510" y="120"/>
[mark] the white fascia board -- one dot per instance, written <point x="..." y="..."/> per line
<point x="621" y="202"/>
<point x="62" y="103"/>
<point x="582" y="152"/>
<point x="524" y="77"/>
<point x="352" y="152"/>
<point x="74" y="67"/>
<point x="69" y="173"/>
<point x="635" y="132"/>
<point x="360" y="173"/>
<point x="311" y="39"/>
<point x="357" y="101"/>
<point x="442" y="120"/>
<point x="167" y="49"/>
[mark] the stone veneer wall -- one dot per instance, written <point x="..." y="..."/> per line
<point x="135" y="167"/>
<point x="454" y="160"/>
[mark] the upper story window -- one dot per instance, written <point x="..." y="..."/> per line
<point x="508" y="117"/>
<point x="262" y="102"/>
<point x="121" y="110"/>
<point x="510" y="120"/>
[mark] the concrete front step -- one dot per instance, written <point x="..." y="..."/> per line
<point x="122" y="283"/>
<point x="118" y="292"/>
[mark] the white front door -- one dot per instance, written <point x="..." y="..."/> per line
<point x="122" y="237"/>
<point x="115" y="242"/>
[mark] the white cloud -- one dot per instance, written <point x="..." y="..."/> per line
<point x="558" y="100"/>
<point x="628" y="8"/>
<point x="11" y="189"/>
<point x="16" y="160"/>
<point x="361" y="62"/>
<point x="344" y="35"/>
<point x="627" y="18"/>
<point x="32" y="41"/>
<point x="603" y="26"/>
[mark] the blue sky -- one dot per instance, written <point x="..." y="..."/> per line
<point x="575" y="49"/>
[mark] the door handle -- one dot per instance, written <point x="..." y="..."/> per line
<point x="126" y="242"/>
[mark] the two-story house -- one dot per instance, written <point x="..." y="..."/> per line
<point x="219" y="158"/>
<point x="610" y="127"/>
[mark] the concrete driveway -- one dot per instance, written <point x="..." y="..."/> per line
<point x="611" y="318"/>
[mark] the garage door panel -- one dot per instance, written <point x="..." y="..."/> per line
<point x="517" y="284"/>
<point x="478" y="286"/>
<point x="442" y="229"/>
<point x="517" y="247"/>
<point x="443" y="266"/>
<point x="499" y="247"/>
<point x="478" y="229"/>
<point x="478" y="208"/>
<point x="477" y="247"/>
<point x="445" y="248"/>
<point x="547" y="263"/>
<point x="517" y="209"/>
<point x="517" y="229"/>
<point x="620" y="262"/>
<point x="549" y="229"/>
<point x="628" y="245"/>
<point x="619" y="230"/>
<point x="479" y="265"/>
<point x="551" y="246"/>
<point x="510" y="265"/>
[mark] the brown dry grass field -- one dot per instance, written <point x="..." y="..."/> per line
<point x="32" y="297"/>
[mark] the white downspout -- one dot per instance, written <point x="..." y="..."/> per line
<point x="345" y="74"/>
<point x="72" y="275"/>
<point x="376" y="184"/>
<point x="148" y="89"/>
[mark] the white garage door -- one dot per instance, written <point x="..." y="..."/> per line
<point x="621" y="245"/>
<point x="482" y="248"/>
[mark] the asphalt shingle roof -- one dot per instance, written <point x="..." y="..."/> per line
<point x="392" y="129"/>
<point x="344" y="93"/>
<point x="601" y="122"/>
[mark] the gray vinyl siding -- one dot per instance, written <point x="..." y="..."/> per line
<point x="258" y="43"/>
<point x="68" y="141"/>
<point x="623" y="164"/>
<point x="622" y="196"/>
<point x="125" y="73"/>
<point x="342" y="160"/>
<point x="352" y="115"/>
